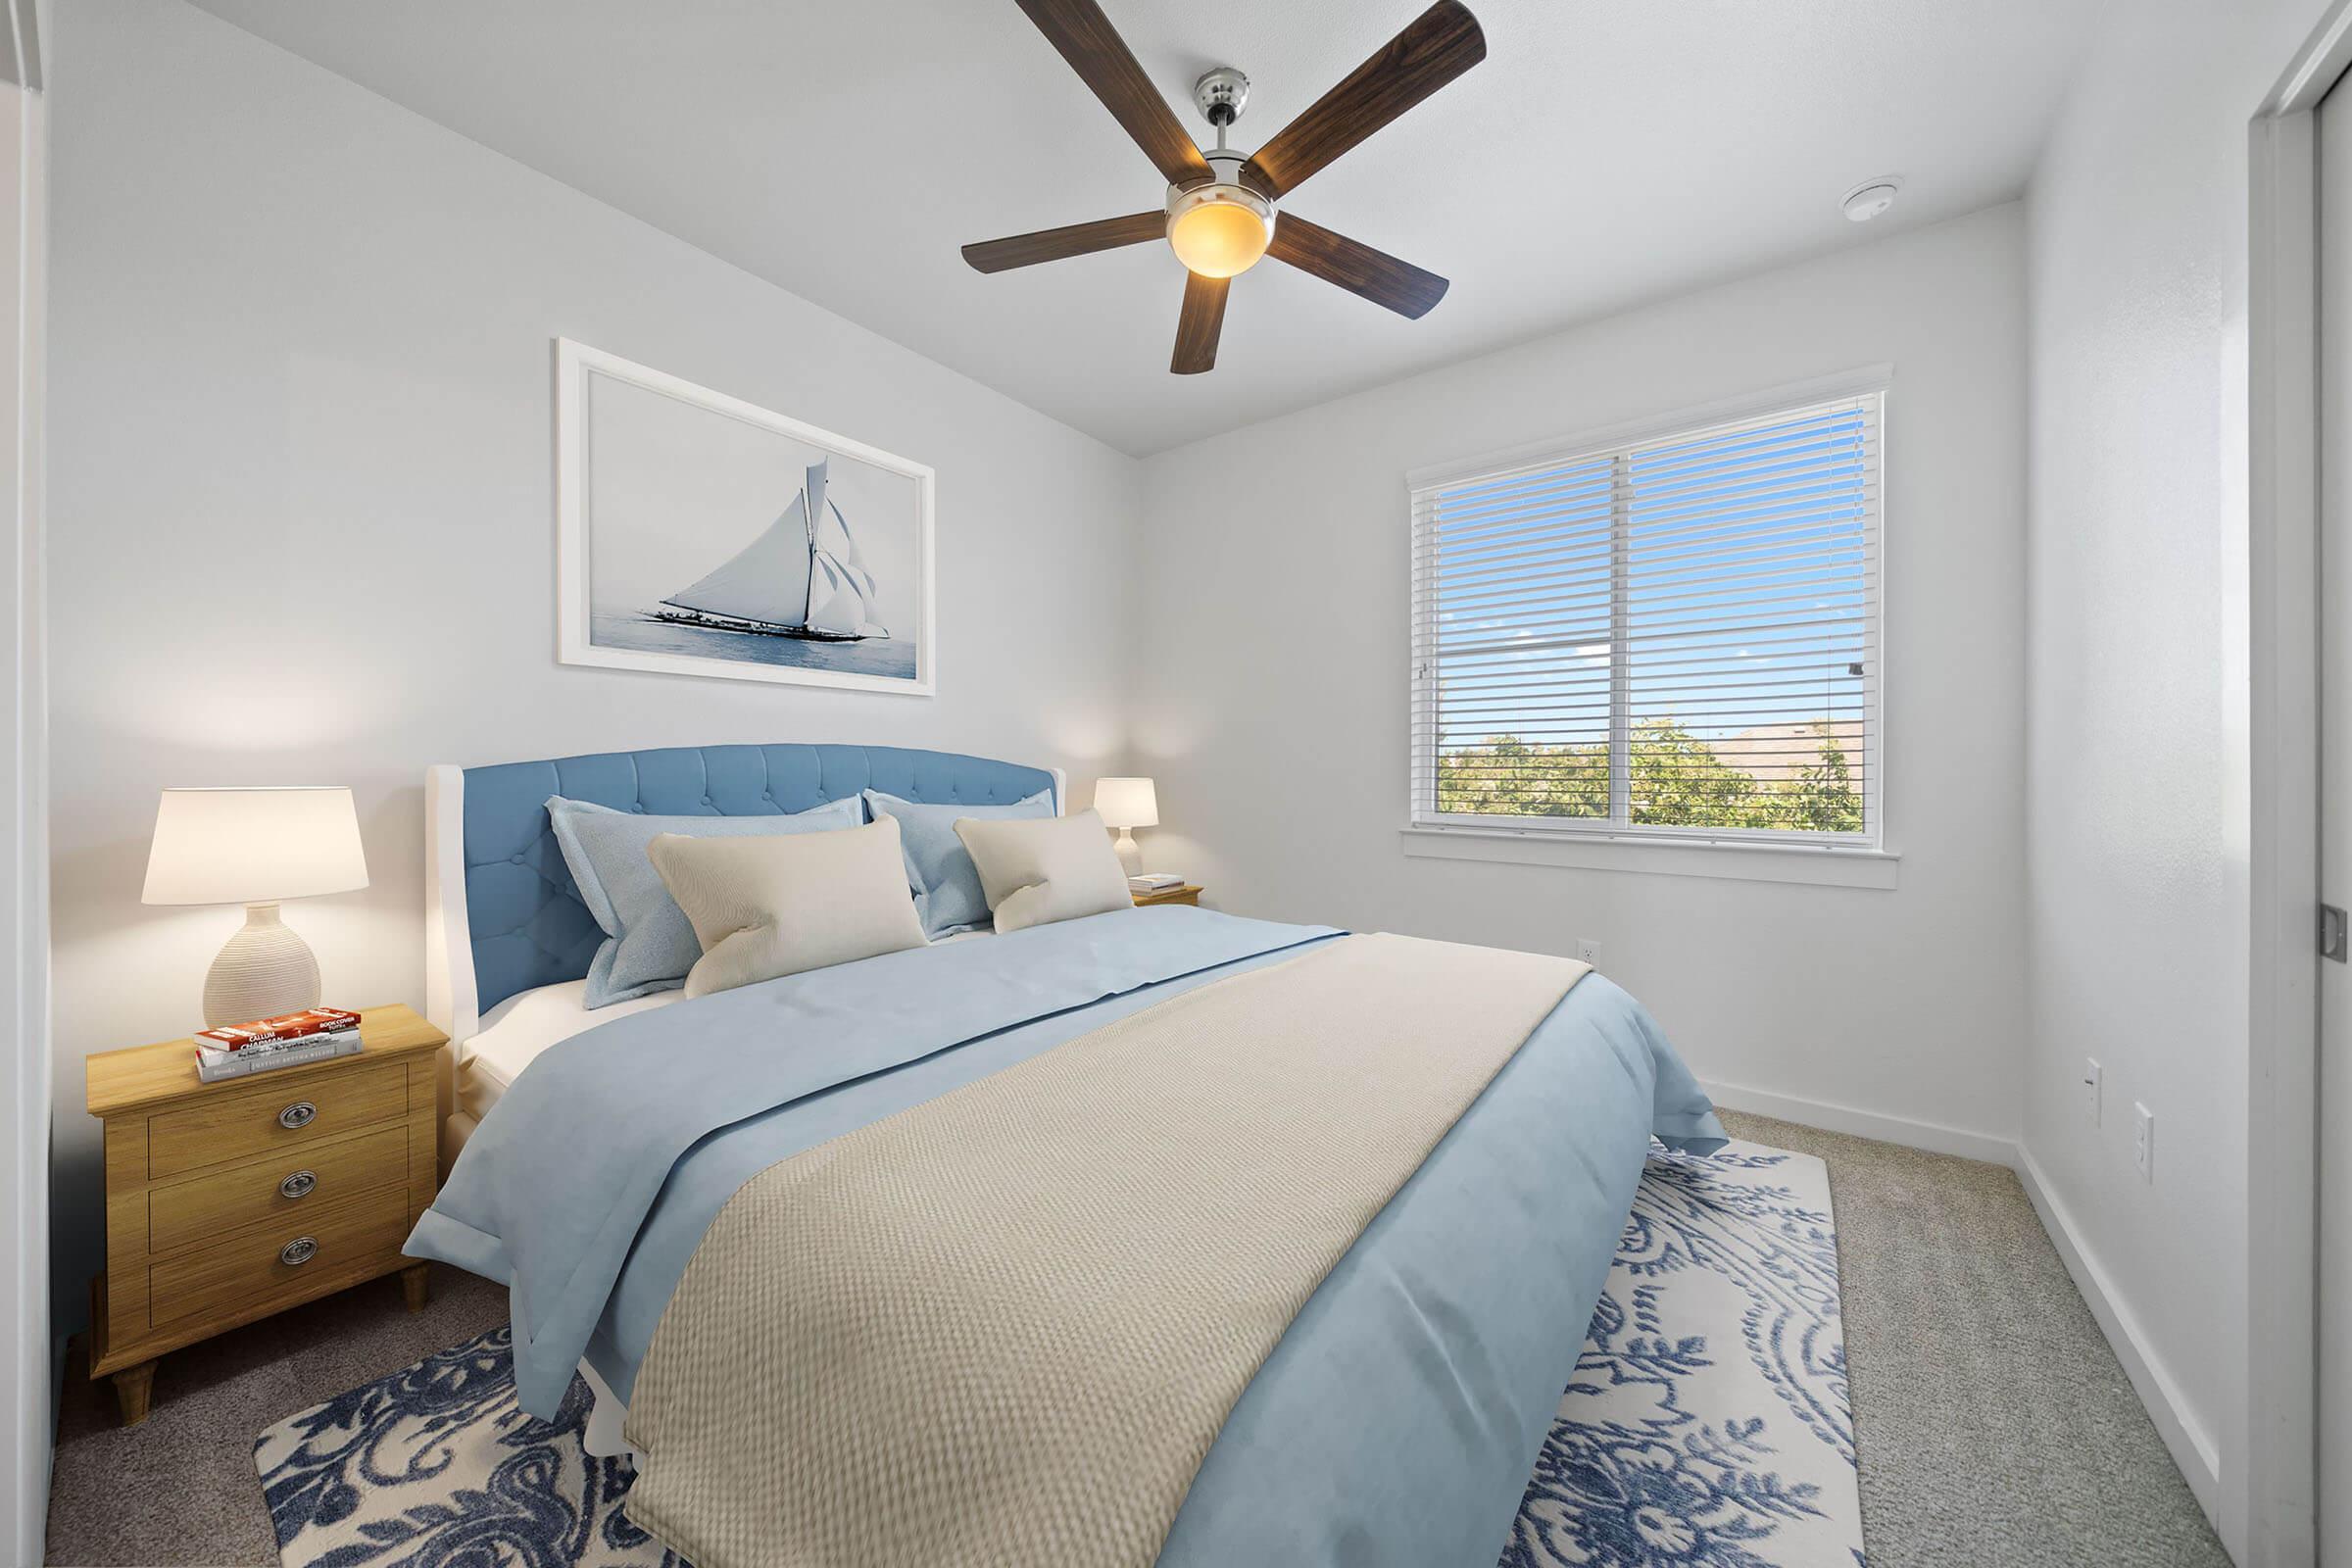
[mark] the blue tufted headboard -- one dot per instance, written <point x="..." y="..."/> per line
<point x="502" y="914"/>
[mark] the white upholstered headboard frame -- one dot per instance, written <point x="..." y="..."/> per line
<point x="449" y="991"/>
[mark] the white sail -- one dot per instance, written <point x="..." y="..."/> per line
<point x="768" y="580"/>
<point x="812" y="491"/>
<point x="802" y="574"/>
<point x="841" y="590"/>
<point x="839" y="566"/>
<point x="835" y="607"/>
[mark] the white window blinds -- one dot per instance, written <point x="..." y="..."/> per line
<point x="1676" y="637"/>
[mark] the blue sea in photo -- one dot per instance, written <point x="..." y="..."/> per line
<point x="638" y="632"/>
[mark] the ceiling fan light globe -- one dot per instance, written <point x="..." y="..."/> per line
<point x="1219" y="230"/>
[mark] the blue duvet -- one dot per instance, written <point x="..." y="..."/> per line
<point x="1396" y="1422"/>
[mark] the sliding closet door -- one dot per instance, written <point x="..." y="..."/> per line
<point x="2335" y="824"/>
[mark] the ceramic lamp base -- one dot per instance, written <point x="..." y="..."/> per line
<point x="1131" y="855"/>
<point x="265" y="970"/>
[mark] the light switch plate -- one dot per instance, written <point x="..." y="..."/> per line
<point x="2143" y="1140"/>
<point x="2091" y="1075"/>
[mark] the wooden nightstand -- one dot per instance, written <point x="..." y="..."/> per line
<point x="1189" y="893"/>
<point x="228" y="1201"/>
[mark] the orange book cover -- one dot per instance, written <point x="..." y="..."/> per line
<point x="285" y="1027"/>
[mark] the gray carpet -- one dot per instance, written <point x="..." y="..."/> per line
<point x="179" y="1488"/>
<point x="1995" y="1428"/>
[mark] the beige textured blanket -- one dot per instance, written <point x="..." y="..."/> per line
<point x="1004" y="1326"/>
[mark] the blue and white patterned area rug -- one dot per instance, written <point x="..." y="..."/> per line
<point x="1708" y="1425"/>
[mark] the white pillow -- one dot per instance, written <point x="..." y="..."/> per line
<point x="1042" y="869"/>
<point x="763" y="907"/>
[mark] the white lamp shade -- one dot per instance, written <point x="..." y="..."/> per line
<point x="254" y="846"/>
<point x="1126" y="802"/>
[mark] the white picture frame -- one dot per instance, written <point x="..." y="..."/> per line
<point x="614" y="561"/>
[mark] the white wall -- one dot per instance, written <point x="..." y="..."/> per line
<point x="305" y="354"/>
<point x="2136" y="753"/>
<point x="1272" y="680"/>
<point x="28" y="1363"/>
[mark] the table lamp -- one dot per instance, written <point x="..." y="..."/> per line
<point x="1127" y="804"/>
<point x="255" y="847"/>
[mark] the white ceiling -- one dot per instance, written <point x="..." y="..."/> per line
<point x="1606" y="152"/>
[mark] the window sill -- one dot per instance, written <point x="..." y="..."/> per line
<point x="1737" y="862"/>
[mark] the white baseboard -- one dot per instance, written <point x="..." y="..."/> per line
<point x="2193" y="1447"/>
<point x="2191" y="1444"/>
<point x="1934" y="1137"/>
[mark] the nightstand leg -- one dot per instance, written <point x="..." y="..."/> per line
<point x="414" y="1280"/>
<point x="132" y="1385"/>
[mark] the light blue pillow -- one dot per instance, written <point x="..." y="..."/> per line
<point x="649" y="945"/>
<point x="939" y="870"/>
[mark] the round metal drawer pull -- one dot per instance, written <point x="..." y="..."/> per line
<point x="300" y="1114"/>
<point x="298" y="1252"/>
<point x="298" y="1185"/>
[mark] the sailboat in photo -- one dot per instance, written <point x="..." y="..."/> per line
<point x="800" y="578"/>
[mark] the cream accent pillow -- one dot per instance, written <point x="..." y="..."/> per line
<point x="1036" y="870"/>
<point x="762" y="907"/>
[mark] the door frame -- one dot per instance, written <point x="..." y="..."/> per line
<point x="28" y="1367"/>
<point x="2278" y="1471"/>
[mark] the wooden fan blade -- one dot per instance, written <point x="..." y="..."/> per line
<point x="1075" y="239"/>
<point x="1197" y="327"/>
<point x="1100" y="56"/>
<point x="1443" y="43"/>
<point x="1355" y="267"/>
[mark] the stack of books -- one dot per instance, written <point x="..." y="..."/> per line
<point x="314" y="1034"/>
<point x="1153" y="882"/>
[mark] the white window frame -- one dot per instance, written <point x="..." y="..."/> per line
<point x="1864" y="859"/>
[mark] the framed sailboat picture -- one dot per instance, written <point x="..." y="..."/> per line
<point x="698" y="534"/>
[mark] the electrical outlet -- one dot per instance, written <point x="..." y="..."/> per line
<point x="1588" y="951"/>
<point x="2143" y="1140"/>
<point x="2091" y="1089"/>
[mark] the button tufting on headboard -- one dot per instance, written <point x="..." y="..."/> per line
<point x="527" y="925"/>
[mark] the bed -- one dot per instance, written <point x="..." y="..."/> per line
<point x="1396" y="1416"/>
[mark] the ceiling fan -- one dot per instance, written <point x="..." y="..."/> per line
<point x="1219" y="218"/>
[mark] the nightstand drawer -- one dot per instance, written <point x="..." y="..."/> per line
<point x="253" y="1121"/>
<point x="304" y="1181"/>
<point x="353" y="1237"/>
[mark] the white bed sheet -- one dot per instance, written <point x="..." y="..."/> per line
<point x="516" y="1030"/>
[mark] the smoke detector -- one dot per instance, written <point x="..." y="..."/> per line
<point x="1869" y="198"/>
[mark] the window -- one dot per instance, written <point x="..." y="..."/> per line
<point x="1674" y="637"/>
